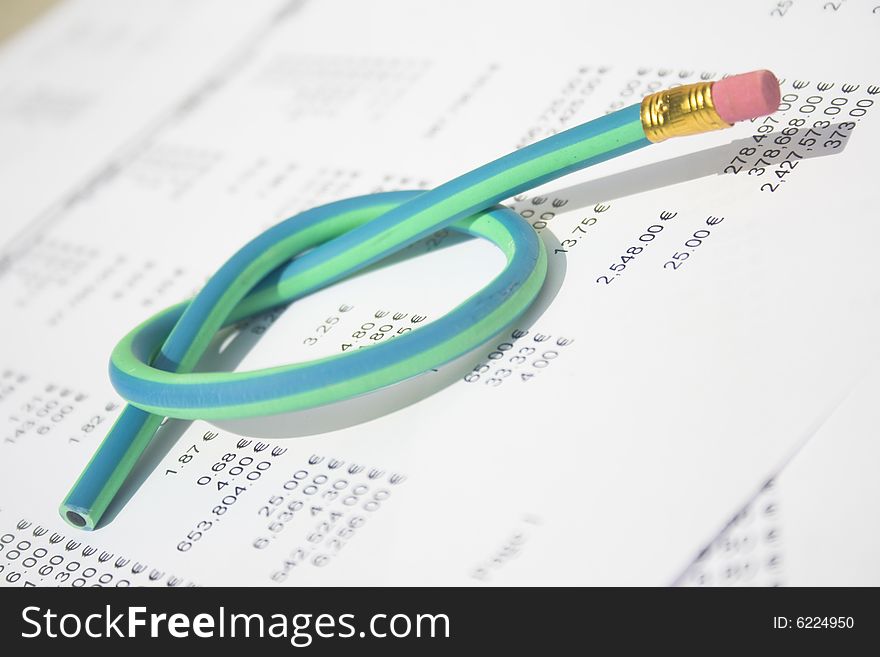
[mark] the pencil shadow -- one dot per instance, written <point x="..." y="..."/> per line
<point x="165" y="439"/>
<point x="700" y="164"/>
<point x="716" y="161"/>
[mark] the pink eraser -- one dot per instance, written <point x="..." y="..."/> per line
<point x="746" y="96"/>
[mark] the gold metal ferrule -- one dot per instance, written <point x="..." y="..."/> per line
<point x="685" y="110"/>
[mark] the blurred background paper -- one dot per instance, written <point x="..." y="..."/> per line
<point x="701" y="416"/>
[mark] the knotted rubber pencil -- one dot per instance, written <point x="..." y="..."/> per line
<point x="152" y="367"/>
